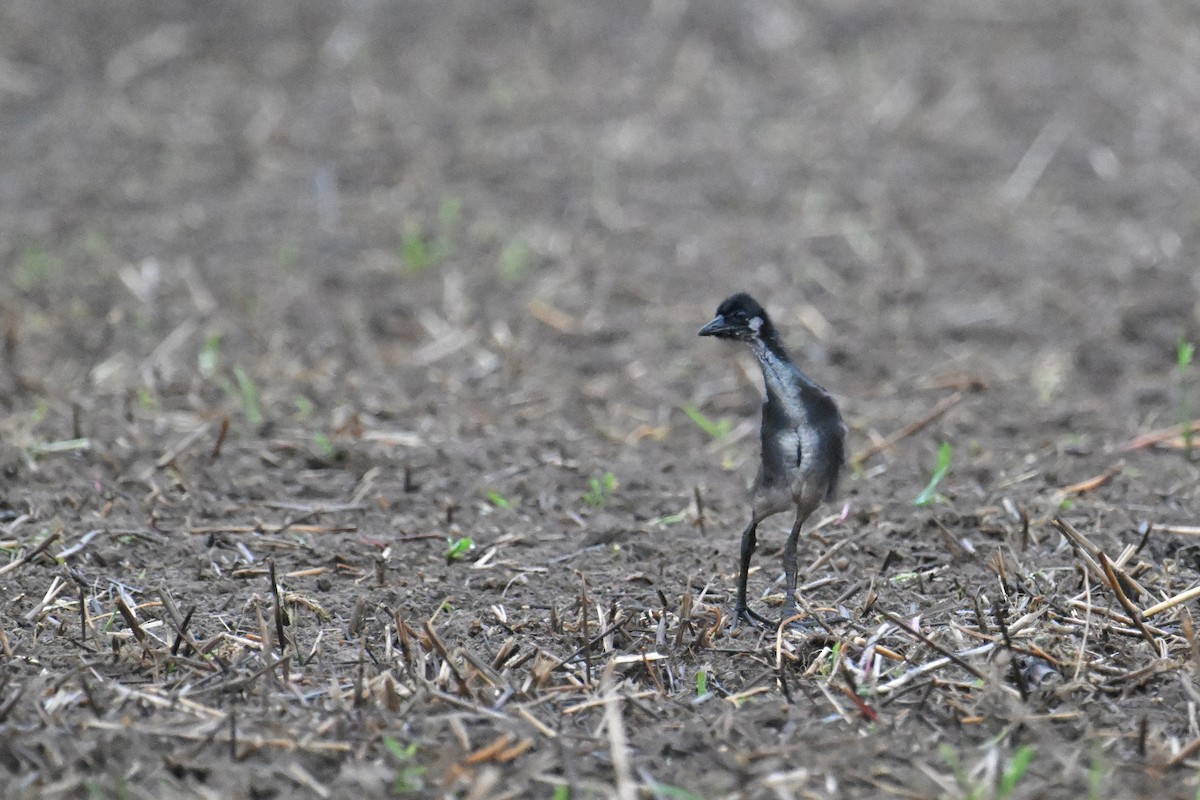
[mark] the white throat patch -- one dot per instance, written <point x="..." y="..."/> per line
<point x="756" y="323"/>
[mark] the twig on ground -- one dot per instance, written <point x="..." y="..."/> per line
<point x="890" y="441"/>
<point x="1171" y="602"/>
<point x="56" y="588"/>
<point x="204" y="530"/>
<point x="32" y="554"/>
<point x="618" y="744"/>
<point x="1015" y="669"/>
<point x="215" y="453"/>
<point x="83" y="542"/>
<point x="595" y="640"/>
<point x="925" y="640"/>
<point x="1087" y="624"/>
<point x="1178" y="530"/>
<point x="440" y="647"/>
<point x="1090" y="555"/>
<point x="1088" y="485"/>
<point x="1134" y="614"/>
<point x="1160" y="436"/>
<point x="192" y="734"/>
<point x="181" y="447"/>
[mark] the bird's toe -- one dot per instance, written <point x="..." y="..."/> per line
<point x="750" y="617"/>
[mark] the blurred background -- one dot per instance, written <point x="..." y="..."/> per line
<point x="1009" y="188"/>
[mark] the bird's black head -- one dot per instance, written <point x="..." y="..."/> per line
<point x="740" y="318"/>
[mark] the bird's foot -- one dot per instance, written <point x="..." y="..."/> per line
<point x="743" y="613"/>
<point x="791" y="618"/>
<point x="813" y="622"/>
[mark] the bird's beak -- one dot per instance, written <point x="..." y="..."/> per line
<point x="715" y="328"/>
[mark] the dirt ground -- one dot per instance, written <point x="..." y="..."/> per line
<point x="348" y="356"/>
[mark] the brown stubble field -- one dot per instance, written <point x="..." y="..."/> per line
<point x="349" y="349"/>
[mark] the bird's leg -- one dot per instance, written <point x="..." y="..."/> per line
<point x="741" y="611"/>
<point x="789" y="567"/>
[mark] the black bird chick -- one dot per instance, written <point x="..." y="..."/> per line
<point x="803" y="441"/>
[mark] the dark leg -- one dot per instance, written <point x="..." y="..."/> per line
<point x="741" y="611"/>
<point x="789" y="567"/>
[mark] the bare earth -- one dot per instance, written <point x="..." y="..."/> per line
<point x="325" y="324"/>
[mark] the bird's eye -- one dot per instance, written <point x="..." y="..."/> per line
<point x="738" y="316"/>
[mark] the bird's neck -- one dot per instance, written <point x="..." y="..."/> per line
<point x="768" y="343"/>
<point x="779" y="373"/>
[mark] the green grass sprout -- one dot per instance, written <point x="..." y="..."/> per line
<point x="929" y="493"/>
<point x="1184" y="352"/>
<point x="324" y="444"/>
<point x="304" y="407"/>
<point x="1096" y="773"/>
<point x="287" y="254"/>
<point x="416" y="253"/>
<point x="254" y="415"/>
<point x="499" y="500"/>
<point x="1010" y="775"/>
<point x="701" y="683"/>
<point x="40" y="409"/>
<point x="665" y="790"/>
<point x="209" y="355"/>
<point x="1014" y="771"/>
<point x="834" y="653"/>
<point x="458" y="548"/>
<point x="717" y="430"/>
<point x="514" y="258"/>
<point x="420" y="251"/>
<point x="36" y="267"/>
<point x="960" y="772"/>
<point x="409" y="775"/>
<point x="601" y="490"/>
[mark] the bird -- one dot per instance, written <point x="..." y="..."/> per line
<point x="803" y="442"/>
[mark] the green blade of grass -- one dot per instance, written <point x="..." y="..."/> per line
<point x="717" y="430"/>
<point x="399" y="751"/>
<point x="325" y="445"/>
<point x="1014" y="771"/>
<point x="499" y="500"/>
<point x="514" y="258"/>
<point x="1184" y="352"/>
<point x="601" y="490"/>
<point x="459" y="547"/>
<point x="209" y="355"/>
<point x="409" y="775"/>
<point x="950" y="756"/>
<point x="254" y="415"/>
<point x="929" y="493"/>
<point x="414" y="251"/>
<point x="304" y="407"/>
<point x="1096" y="772"/>
<point x="666" y="790"/>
